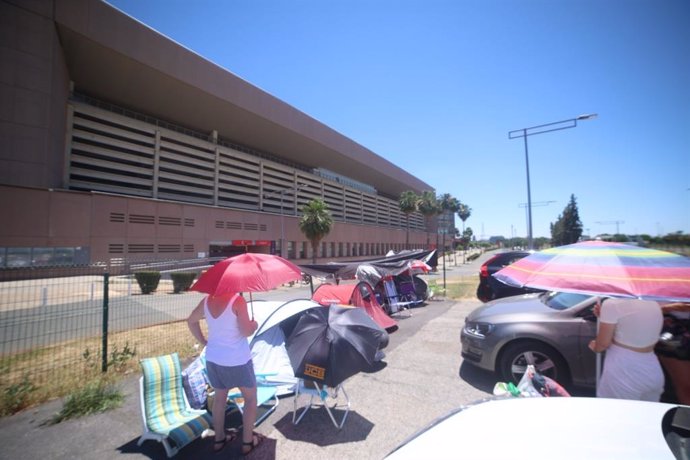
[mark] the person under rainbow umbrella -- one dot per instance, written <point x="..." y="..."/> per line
<point x="651" y="277"/>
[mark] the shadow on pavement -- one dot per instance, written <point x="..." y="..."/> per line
<point x="479" y="378"/>
<point x="316" y="428"/>
<point x="200" y="449"/>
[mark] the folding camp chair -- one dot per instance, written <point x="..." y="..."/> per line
<point x="165" y="412"/>
<point x="408" y="294"/>
<point x="324" y="394"/>
<point x="394" y="300"/>
<point x="266" y="395"/>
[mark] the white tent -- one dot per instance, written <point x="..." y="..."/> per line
<point x="268" y="342"/>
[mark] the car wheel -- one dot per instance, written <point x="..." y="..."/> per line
<point x="484" y="293"/>
<point x="546" y="360"/>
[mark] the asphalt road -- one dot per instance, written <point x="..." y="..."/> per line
<point x="424" y="378"/>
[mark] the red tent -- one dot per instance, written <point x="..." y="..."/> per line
<point x="359" y="294"/>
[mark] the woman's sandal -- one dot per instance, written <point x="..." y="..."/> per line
<point x="248" y="447"/>
<point x="220" y="445"/>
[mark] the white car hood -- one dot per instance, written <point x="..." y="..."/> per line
<point x="530" y="428"/>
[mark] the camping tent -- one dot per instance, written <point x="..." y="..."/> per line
<point x="359" y="294"/>
<point x="276" y="320"/>
<point x="389" y="265"/>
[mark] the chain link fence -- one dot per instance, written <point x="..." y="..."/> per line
<point x="62" y="325"/>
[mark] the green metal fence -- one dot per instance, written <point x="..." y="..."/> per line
<point x="65" y="322"/>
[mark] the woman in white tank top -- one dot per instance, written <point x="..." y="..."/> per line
<point x="628" y="331"/>
<point x="228" y="361"/>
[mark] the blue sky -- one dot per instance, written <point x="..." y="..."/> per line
<point x="435" y="86"/>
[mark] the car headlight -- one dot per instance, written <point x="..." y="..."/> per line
<point x="477" y="329"/>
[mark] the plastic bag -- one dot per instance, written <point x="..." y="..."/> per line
<point x="525" y="385"/>
<point x="534" y="384"/>
<point x="195" y="384"/>
<point x="506" y="389"/>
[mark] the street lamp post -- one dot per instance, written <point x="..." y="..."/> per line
<point x="540" y="129"/>
<point x="534" y="203"/>
<point x="282" y="193"/>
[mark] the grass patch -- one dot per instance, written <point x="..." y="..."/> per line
<point x="16" y="397"/>
<point x="40" y="375"/>
<point x="97" y="396"/>
<point x="456" y="288"/>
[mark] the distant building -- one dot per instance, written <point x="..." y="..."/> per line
<point x="118" y="143"/>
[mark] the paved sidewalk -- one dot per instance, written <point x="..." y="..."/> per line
<point x="421" y="382"/>
<point x="424" y="379"/>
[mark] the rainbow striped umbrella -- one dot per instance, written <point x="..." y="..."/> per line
<point x="606" y="269"/>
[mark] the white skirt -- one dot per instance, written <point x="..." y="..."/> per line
<point x="631" y="375"/>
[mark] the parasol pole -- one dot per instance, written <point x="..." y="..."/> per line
<point x="597" y="369"/>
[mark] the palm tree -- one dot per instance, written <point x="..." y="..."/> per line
<point x="464" y="212"/>
<point x="448" y="204"/>
<point x="427" y="204"/>
<point x="315" y="223"/>
<point x="408" y="205"/>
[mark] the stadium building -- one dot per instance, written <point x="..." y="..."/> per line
<point x="120" y="144"/>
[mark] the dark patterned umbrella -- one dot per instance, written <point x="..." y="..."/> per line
<point x="330" y="344"/>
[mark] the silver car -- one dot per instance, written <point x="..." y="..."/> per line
<point x="550" y="330"/>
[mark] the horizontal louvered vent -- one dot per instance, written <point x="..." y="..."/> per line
<point x="115" y="248"/>
<point x="262" y="227"/>
<point x="140" y="248"/>
<point x="248" y="226"/>
<point x="162" y="248"/>
<point x="118" y="217"/>
<point x="189" y="222"/>
<point x="173" y="221"/>
<point x="233" y="225"/>
<point x="141" y="219"/>
<point x="188" y="248"/>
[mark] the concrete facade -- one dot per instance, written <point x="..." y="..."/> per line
<point x="121" y="143"/>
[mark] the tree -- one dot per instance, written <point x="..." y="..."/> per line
<point x="568" y="228"/>
<point x="315" y="223"/>
<point x="427" y="204"/>
<point x="447" y="204"/>
<point x="408" y="205"/>
<point x="464" y="212"/>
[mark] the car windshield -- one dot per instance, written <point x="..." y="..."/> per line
<point x="562" y="300"/>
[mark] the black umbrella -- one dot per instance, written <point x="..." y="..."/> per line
<point x="330" y="344"/>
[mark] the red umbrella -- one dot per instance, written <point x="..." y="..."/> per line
<point x="249" y="272"/>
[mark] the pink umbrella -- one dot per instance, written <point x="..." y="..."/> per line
<point x="249" y="272"/>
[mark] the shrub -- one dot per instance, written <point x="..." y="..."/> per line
<point x="16" y="397"/>
<point x="98" y="396"/>
<point x="182" y="281"/>
<point x="148" y="281"/>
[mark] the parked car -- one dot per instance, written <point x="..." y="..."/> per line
<point x="489" y="287"/>
<point x="550" y="330"/>
<point x="563" y="428"/>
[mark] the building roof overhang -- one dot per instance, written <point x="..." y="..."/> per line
<point x="113" y="57"/>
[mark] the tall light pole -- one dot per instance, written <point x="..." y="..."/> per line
<point x="282" y="193"/>
<point x="534" y="203"/>
<point x="540" y="129"/>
